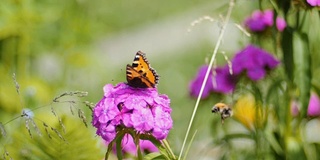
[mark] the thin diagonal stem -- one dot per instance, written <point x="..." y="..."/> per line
<point x="231" y="4"/>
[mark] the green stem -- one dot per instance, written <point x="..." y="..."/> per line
<point x="168" y="148"/>
<point x="137" y="142"/>
<point x="109" y="150"/>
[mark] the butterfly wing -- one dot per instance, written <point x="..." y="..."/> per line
<point x="140" y="74"/>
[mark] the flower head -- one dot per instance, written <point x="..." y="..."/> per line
<point x="245" y="111"/>
<point x="259" y="21"/>
<point x="195" y="84"/>
<point x="123" y="106"/>
<point x="254" y="61"/>
<point x="224" y="81"/>
<point x="256" y="22"/>
<point x="221" y="82"/>
<point x="314" y="2"/>
<point x="280" y="24"/>
<point x="314" y="105"/>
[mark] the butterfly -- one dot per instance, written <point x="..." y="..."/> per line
<point x="140" y="74"/>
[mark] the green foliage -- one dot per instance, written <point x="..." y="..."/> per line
<point x="77" y="142"/>
<point x="302" y="59"/>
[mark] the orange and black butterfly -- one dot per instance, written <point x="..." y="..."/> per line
<point x="140" y="74"/>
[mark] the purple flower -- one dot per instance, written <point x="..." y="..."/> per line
<point x="268" y="17"/>
<point x="195" y="84"/>
<point x="107" y="132"/>
<point x="314" y="2"/>
<point x="125" y="107"/>
<point x="163" y="123"/>
<point x="314" y="105"/>
<point x="254" y="61"/>
<point x="256" y="22"/>
<point x="128" y="146"/>
<point x="105" y="110"/>
<point x="142" y="119"/>
<point x="222" y="82"/>
<point x="281" y="24"/>
<point x="259" y="21"/>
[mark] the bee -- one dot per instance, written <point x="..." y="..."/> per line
<point x="224" y="110"/>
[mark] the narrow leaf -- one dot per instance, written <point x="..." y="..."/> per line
<point x="118" y="140"/>
<point x="153" y="155"/>
<point x="110" y="145"/>
<point x="287" y="49"/>
<point x="302" y="62"/>
<point x="190" y="143"/>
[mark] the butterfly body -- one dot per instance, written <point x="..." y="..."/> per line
<point x="140" y="74"/>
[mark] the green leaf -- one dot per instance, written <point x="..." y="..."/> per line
<point x="189" y="146"/>
<point x="163" y="147"/>
<point x="108" y="150"/>
<point x="163" y="152"/>
<point x="154" y="155"/>
<point x="274" y="143"/>
<point x="302" y="65"/>
<point x="287" y="49"/>
<point x="229" y="137"/>
<point x="79" y="142"/>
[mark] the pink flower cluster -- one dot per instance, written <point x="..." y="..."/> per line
<point x="122" y="106"/>
<point x="260" y="20"/>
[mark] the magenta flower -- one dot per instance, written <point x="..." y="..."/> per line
<point x="268" y="17"/>
<point x="222" y="82"/>
<point x="225" y="82"/>
<point x="314" y="2"/>
<point x="254" y="61"/>
<point x="281" y="24"/>
<point x="256" y="22"/>
<point x="314" y="105"/>
<point x="134" y="108"/>
<point x="128" y="146"/>
<point x="195" y="84"/>
<point x="161" y="122"/>
<point x="261" y="20"/>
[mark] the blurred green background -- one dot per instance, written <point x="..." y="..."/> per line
<point x="54" y="46"/>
